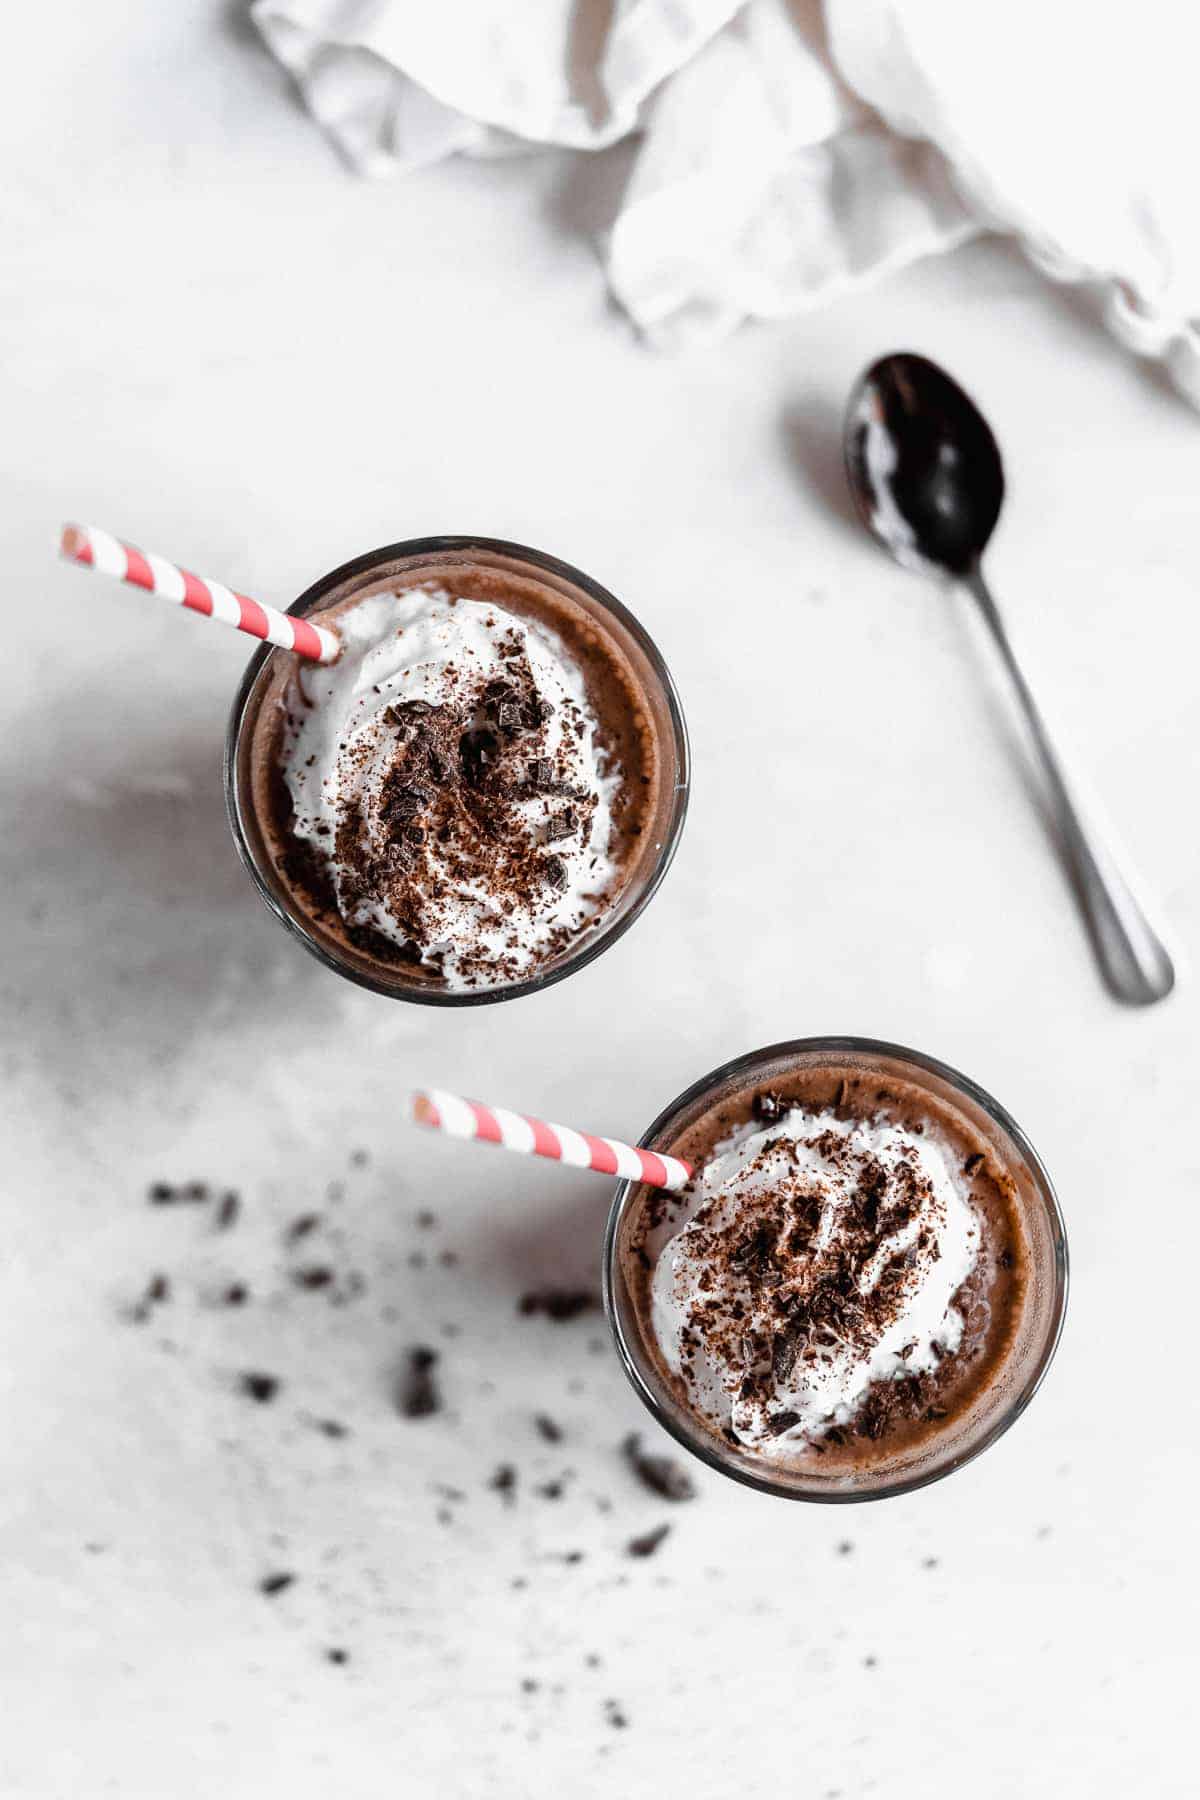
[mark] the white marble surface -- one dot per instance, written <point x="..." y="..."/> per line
<point x="218" y="343"/>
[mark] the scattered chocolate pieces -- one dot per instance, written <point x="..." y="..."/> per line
<point x="338" y="1656"/>
<point x="236" y="1294"/>
<point x="301" y="1227"/>
<point x="417" y="1395"/>
<point x="663" y="1475"/>
<point x="331" y="1428"/>
<point x="275" y="1584"/>
<point x="504" y="1483"/>
<point x="227" y="1209"/>
<point x="547" y="1429"/>
<point x="648" y="1542"/>
<point x="262" y="1388"/>
<point x="318" y="1275"/>
<point x="559" y="1304"/>
<point x="616" y="1715"/>
<point x="189" y="1193"/>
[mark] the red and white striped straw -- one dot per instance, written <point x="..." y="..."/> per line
<point x="97" y="549"/>
<point x="460" y="1118"/>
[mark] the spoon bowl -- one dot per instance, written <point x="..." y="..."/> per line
<point x="924" y="469"/>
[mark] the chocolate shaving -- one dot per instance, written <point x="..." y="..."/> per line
<point x="504" y="1483"/>
<point x="559" y="1304"/>
<point x="662" y="1475"/>
<point x="259" y="1387"/>
<point x="648" y="1542"/>
<point x="275" y="1584"/>
<point x="417" y="1394"/>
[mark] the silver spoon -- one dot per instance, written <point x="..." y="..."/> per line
<point x="926" y="476"/>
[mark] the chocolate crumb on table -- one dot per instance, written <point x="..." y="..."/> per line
<point x="270" y="1585"/>
<point x="504" y="1483"/>
<point x="317" y="1275"/>
<point x="188" y="1193"/>
<point x="559" y="1304"/>
<point x="417" y="1395"/>
<point x="663" y="1475"/>
<point x="338" y="1656"/>
<point x="259" y="1387"/>
<point x="301" y="1227"/>
<point x="159" y="1289"/>
<point x="547" y="1429"/>
<point x="227" y="1209"/>
<point x="648" y="1542"/>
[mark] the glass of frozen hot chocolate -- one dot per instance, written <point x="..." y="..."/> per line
<point x="863" y="1283"/>
<point x="480" y="793"/>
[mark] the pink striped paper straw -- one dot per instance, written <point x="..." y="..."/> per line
<point x="460" y="1118"/>
<point x="97" y="549"/>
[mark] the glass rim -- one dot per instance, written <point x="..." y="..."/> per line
<point x="594" y="943"/>
<point x="704" y="1448"/>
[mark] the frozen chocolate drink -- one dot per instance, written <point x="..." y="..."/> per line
<point x="480" y="792"/>
<point x="860" y="1287"/>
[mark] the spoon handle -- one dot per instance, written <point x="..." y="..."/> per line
<point x="1133" y="958"/>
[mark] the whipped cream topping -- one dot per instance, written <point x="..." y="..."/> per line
<point x="445" y="769"/>
<point x="818" y="1258"/>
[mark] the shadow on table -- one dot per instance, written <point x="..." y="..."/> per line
<point x="810" y="431"/>
<point x="133" y="930"/>
<point x="585" y="201"/>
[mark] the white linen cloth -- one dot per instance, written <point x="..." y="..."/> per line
<point x="789" y="150"/>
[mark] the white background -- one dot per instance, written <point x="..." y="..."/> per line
<point x="221" y="345"/>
